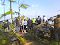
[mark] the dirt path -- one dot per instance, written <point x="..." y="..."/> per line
<point x="28" y="43"/>
<point x="32" y="43"/>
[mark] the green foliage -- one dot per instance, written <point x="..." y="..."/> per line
<point x="21" y="39"/>
<point x="25" y="6"/>
<point x="12" y="26"/>
<point x="12" y="29"/>
<point x="54" y="42"/>
<point x="1" y="26"/>
<point x="3" y="39"/>
<point x="7" y="13"/>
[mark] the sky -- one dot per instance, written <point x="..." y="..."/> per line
<point x="49" y="8"/>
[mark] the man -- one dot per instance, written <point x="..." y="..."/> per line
<point x="50" y="21"/>
<point x="25" y="24"/>
<point x="33" y="22"/>
<point x="6" y="25"/>
<point x="38" y="20"/>
<point x="29" y="24"/>
<point x="44" y="19"/>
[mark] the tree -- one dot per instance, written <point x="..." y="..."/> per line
<point x="24" y="6"/>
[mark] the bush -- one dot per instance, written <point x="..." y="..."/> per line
<point x="21" y="39"/>
<point x="4" y="40"/>
<point x="1" y="26"/>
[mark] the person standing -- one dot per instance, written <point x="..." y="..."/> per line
<point x="25" y="24"/>
<point x="29" y="24"/>
<point x="44" y="19"/>
<point x="6" y="25"/>
<point x="38" y="20"/>
<point x="17" y="25"/>
<point x="33" y="22"/>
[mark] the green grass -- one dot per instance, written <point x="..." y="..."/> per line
<point x="54" y="42"/>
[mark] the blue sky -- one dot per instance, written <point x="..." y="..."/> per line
<point x="37" y="7"/>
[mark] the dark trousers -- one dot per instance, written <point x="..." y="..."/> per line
<point x="21" y="28"/>
<point x="25" y="27"/>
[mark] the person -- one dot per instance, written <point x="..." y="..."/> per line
<point x="44" y="19"/>
<point x="33" y="22"/>
<point x="17" y="25"/>
<point x="17" y="22"/>
<point x="29" y="24"/>
<point x="21" y="26"/>
<point x="25" y="24"/>
<point x="51" y="28"/>
<point x="38" y="20"/>
<point x="50" y="21"/>
<point x="6" y="25"/>
<point x="57" y="27"/>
